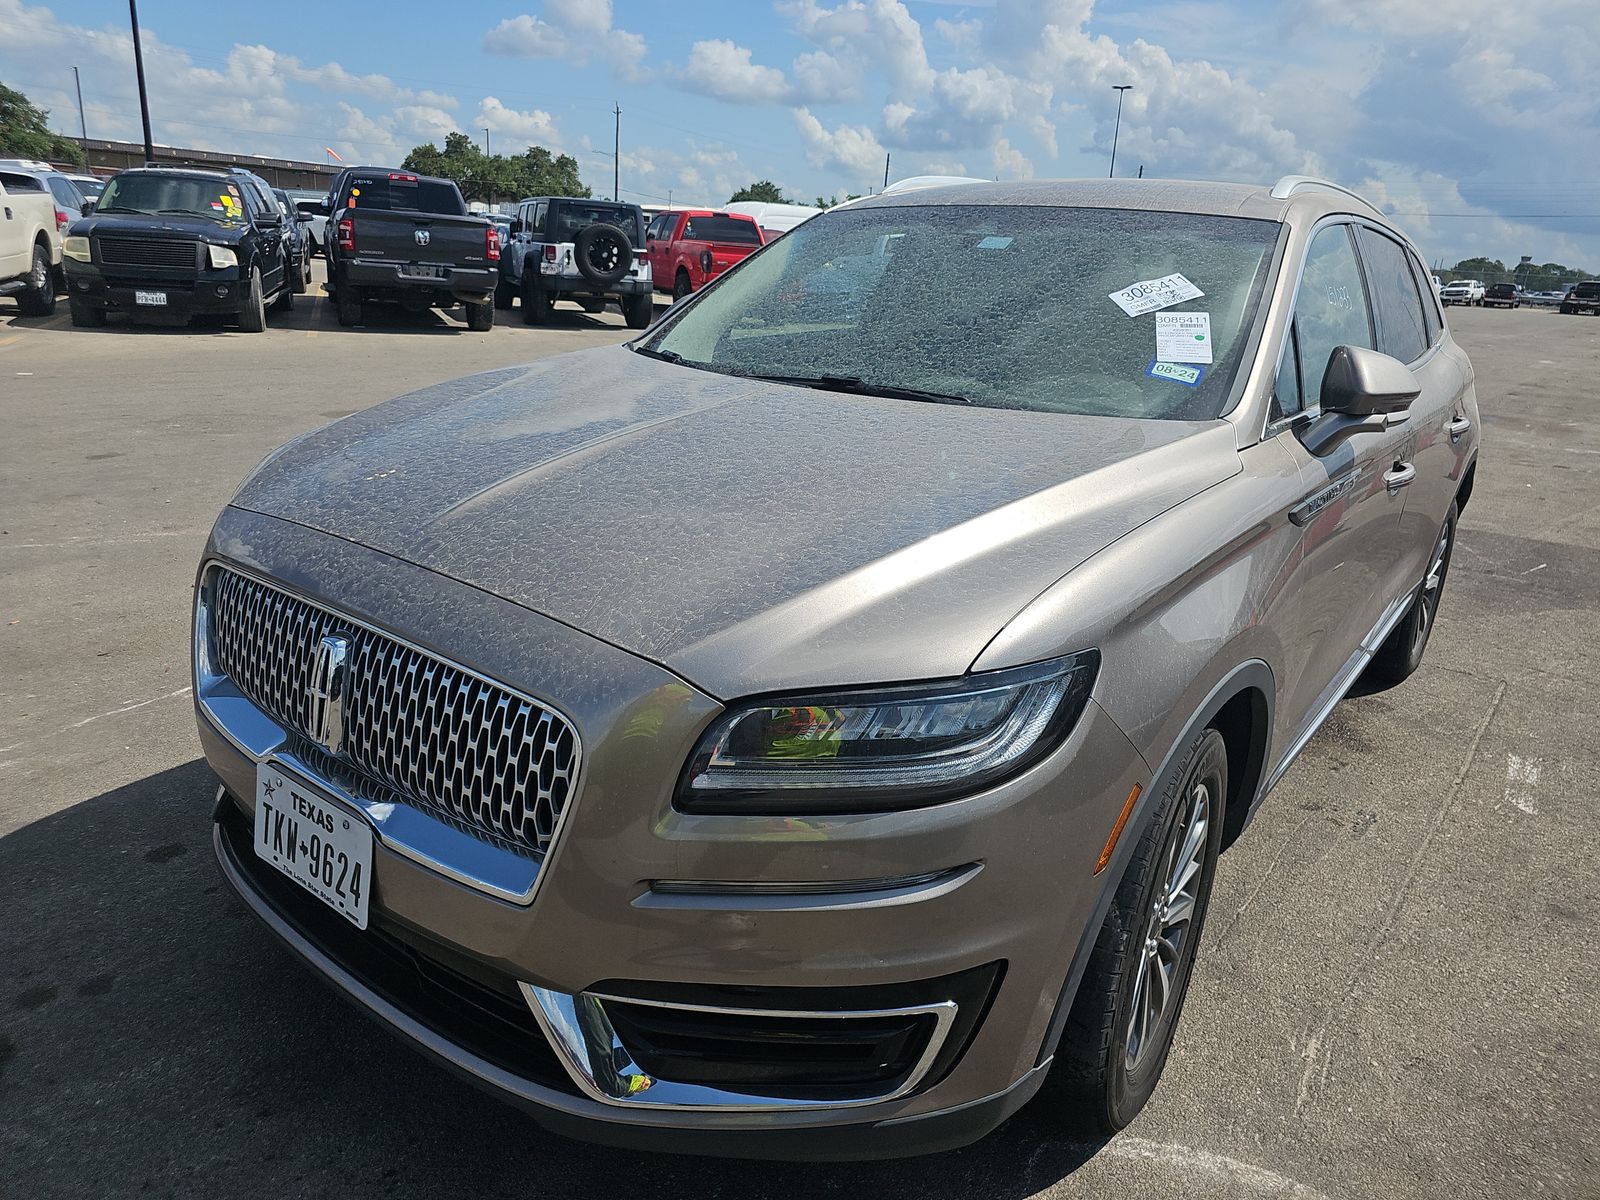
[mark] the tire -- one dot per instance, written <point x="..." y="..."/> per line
<point x="602" y="253"/>
<point x="1402" y="651"/>
<point x="1568" y="309"/>
<point x="480" y="317"/>
<point x="349" y="304"/>
<point x="38" y="299"/>
<point x="1116" y="1040"/>
<point x="86" y="316"/>
<point x="593" y="304"/>
<point x="300" y="275"/>
<point x="504" y="296"/>
<point x="639" y="310"/>
<point x="253" y="316"/>
<point x="681" y="286"/>
<point x="537" y="303"/>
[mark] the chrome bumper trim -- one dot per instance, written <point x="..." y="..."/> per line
<point x="593" y="1054"/>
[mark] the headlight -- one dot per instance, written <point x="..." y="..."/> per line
<point x="886" y="748"/>
<point x="221" y="257"/>
<point x="76" y="247"/>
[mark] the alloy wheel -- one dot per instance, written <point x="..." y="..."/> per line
<point x="1428" y="601"/>
<point x="1167" y="932"/>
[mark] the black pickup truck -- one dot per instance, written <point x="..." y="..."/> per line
<point x="398" y="237"/>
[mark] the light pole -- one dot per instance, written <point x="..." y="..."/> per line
<point x="138" y="66"/>
<point x="83" y="125"/>
<point x="486" y="141"/>
<point x="1119" y="88"/>
<point x="616" y="151"/>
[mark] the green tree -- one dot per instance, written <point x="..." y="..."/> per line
<point x="1477" y="267"/>
<point x="829" y="202"/>
<point x="25" y="132"/>
<point x="763" y="189"/>
<point x="494" y="177"/>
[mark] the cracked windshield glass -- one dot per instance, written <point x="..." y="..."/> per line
<point x="931" y="299"/>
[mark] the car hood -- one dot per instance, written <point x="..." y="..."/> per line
<point x="750" y="536"/>
<point x="223" y="233"/>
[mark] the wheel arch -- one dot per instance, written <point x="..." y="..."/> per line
<point x="1240" y="707"/>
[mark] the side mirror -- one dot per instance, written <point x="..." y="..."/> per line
<point x="303" y="218"/>
<point x="88" y="207"/>
<point x="1364" y="383"/>
<point x="516" y="228"/>
<point x="269" y="220"/>
<point x="322" y="208"/>
<point x="1363" y="391"/>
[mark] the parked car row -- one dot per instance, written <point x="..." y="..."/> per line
<point x="1580" y="297"/>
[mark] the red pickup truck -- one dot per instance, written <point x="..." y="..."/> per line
<point x="689" y="248"/>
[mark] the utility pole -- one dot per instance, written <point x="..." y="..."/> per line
<point x="83" y="125"/>
<point x="1141" y="170"/>
<point x="138" y="67"/>
<point x="886" y="171"/>
<point x="486" y="141"/>
<point x="1119" y="88"/>
<point x="616" y="152"/>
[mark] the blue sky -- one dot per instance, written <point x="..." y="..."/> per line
<point x="1476" y="122"/>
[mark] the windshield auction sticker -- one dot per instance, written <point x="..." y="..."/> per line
<point x="1183" y="337"/>
<point x="1150" y="294"/>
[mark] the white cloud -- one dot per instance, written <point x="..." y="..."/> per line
<point x="575" y="31"/>
<point x="722" y="69"/>
<point x="516" y="129"/>
<point x="853" y="149"/>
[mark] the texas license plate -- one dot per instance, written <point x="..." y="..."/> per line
<point x="157" y="299"/>
<point x="322" y="846"/>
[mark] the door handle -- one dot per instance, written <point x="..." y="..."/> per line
<point x="1402" y="474"/>
<point x="1457" y="427"/>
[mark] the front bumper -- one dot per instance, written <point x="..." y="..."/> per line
<point x="767" y="909"/>
<point x="188" y="294"/>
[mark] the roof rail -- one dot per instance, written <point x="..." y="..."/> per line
<point x="1290" y="184"/>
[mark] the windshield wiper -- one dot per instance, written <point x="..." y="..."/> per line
<point x="188" y="212"/>
<point x="664" y="355"/>
<point x="856" y="386"/>
<point x="121" y="208"/>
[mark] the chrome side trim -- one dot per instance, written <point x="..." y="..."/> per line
<point x="1341" y="685"/>
<point x="819" y="895"/>
<point x="593" y="1054"/>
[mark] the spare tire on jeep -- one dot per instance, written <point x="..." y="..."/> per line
<point x="603" y="254"/>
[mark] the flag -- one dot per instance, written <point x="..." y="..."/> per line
<point x="332" y="154"/>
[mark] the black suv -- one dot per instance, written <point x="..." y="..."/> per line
<point x="1584" y="297"/>
<point x="569" y="248"/>
<point x="171" y="242"/>
<point x="1502" y="295"/>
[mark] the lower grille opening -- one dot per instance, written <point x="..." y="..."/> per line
<point x="790" y="1056"/>
<point x="461" y="1001"/>
<point x="820" y="1058"/>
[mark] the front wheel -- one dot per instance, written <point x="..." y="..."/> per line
<point x="537" y="304"/>
<point x="38" y="298"/>
<point x="253" y="315"/>
<point x="1126" y="1011"/>
<point x="300" y="274"/>
<point x="480" y="317"/>
<point x="504" y="296"/>
<point x="1401" y="652"/>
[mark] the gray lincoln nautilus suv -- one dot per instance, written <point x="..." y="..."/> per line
<point x="810" y="728"/>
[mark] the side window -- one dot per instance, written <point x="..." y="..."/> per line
<point x="658" y="227"/>
<point x="688" y="230"/>
<point x="1430" y="300"/>
<point x="1332" y="308"/>
<point x="1395" y="301"/>
<point x="537" y="226"/>
<point x="66" y="195"/>
<point x="1286" y="391"/>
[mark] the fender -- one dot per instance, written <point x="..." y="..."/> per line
<point x="1253" y="673"/>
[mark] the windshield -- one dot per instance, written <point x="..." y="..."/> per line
<point x="568" y="218"/>
<point x="1001" y="306"/>
<point x="179" y="195"/>
<point x="91" y="188"/>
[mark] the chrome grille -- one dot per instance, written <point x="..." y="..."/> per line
<point x="443" y="738"/>
<point x="147" y="252"/>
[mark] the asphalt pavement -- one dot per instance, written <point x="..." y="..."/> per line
<point x="1399" y="981"/>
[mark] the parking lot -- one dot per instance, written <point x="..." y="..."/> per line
<point x="1399" y="981"/>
